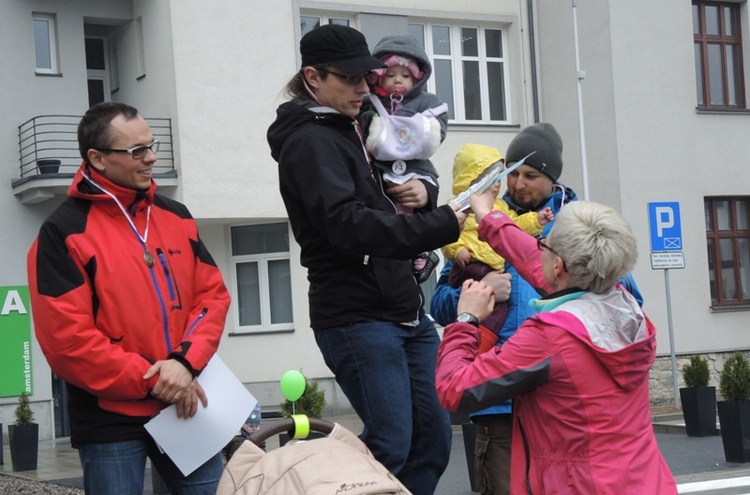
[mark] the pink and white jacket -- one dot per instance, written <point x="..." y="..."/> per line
<point x="578" y="373"/>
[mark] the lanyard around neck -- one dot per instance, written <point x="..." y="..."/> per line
<point x="147" y="257"/>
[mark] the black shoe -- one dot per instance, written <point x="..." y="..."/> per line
<point x="432" y="261"/>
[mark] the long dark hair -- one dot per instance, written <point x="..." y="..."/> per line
<point x="295" y="88"/>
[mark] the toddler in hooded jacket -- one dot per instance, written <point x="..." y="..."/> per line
<point x="473" y="259"/>
<point x="401" y="147"/>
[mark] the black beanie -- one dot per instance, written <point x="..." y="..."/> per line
<point x="544" y="139"/>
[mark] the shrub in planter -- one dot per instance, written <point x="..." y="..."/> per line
<point x="23" y="437"/>
<point x="734" y="410"/>
<point x="312" y="402"/>
<point x="696" y="372"/>
<point x="734" y="383"/>
<point x="698" y="399"/>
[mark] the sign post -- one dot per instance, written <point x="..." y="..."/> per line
<point x="666" y="253"/>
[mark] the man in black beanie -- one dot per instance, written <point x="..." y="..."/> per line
<point x="531" y="187"/>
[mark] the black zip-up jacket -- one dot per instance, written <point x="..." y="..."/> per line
<point x="354" y="245"/>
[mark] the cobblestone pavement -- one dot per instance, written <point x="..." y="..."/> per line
<point x="11" y="485"/>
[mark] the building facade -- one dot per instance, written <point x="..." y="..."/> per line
<point x="208" y="78"/>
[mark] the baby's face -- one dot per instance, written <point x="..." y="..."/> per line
<point x="397" y="79"/>
<point x="495" y="188"/>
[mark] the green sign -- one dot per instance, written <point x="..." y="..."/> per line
<point x="15" y="342"/>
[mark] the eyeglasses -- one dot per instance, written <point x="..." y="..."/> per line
<point x="540" y="244"/>
<point x="136" y="152"/>
<point x="350" y="79"/>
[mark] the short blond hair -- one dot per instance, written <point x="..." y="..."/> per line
<point x="596" y="243"/>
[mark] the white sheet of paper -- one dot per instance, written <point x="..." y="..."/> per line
<point x="191" y="442"/>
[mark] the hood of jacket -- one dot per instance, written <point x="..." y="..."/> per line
<point x="471" y="160"/>
<point x="88" y="184"/>
<point x="297" y="113"/>
<point x="613" y="326"/>
<point x="408" y="47"/>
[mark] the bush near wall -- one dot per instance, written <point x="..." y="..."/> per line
<point x="660" y="379"/>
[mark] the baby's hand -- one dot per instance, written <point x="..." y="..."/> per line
<point x="545" y="216"/>
<point x="463" y="258"/>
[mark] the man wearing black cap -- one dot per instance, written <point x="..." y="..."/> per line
<point x="365" y="306"/>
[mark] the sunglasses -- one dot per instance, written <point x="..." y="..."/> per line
<point x="136" y="152"/>
<point x="350" y="79"/>
<point x="541" y="246"/>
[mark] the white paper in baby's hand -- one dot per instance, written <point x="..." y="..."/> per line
<point x="191" y="442"/>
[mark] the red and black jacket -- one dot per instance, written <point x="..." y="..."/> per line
<point x="103" y="316"/>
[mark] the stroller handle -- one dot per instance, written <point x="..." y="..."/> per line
<point x="287" y="425"/>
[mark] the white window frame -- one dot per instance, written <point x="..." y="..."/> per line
<point x="52" y="38"/>
<point x="262" y="259"/>
<point x="324" y="16"/>
<point x="102" y="74"/>
<point x="457" y="59"/>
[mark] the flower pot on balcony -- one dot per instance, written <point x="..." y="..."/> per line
<point x="48" y="166"/>
<point x="699" y="410"/>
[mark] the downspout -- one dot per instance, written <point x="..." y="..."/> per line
<point x="532" y="51"/>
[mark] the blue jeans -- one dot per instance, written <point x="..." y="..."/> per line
<point x="387" y="372"/>
<point x="118" y="468"/>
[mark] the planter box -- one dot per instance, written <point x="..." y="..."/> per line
<point x="734" y="418"/>
<point x="699" y="410"/>
<point x="48" y="166"/>
<point x="24" y="446"/>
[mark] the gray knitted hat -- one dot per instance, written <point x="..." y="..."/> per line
<point x="544" y="139"/>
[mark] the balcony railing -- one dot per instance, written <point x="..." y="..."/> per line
<point x="48" y="144"/>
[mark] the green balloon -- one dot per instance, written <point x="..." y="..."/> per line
<point x="293" y="385"/>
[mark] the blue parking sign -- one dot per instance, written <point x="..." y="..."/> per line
<point x="666" y="230"/>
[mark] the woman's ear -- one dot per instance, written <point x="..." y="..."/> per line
<point x="559" y="269"/>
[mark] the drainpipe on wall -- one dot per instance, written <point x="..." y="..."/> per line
<point x="532" y="51"/>
<point x="580" y="76"/>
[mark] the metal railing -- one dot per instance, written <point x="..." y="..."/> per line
<point x="48" y="144"/>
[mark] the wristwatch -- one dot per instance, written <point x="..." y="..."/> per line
<point x="468" y="318"/>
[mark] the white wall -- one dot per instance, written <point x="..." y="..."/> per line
<point x="27" y="95"/>
<point x="654" y="145"/>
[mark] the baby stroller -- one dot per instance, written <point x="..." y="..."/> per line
<point x="338" y="464"/>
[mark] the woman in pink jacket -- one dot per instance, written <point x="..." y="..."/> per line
<point x="578" y="370"/>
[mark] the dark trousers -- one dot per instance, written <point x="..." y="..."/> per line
<point x="492" y="453"/>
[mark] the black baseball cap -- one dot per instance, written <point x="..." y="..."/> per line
<point x="339" y="46"/>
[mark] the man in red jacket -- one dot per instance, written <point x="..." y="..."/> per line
<point x="128" y="306"/>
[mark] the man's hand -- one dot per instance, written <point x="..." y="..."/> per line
<point x="412" y="193"/>
<point x="500" y="283"/>
<point x="188" y="405"/>
<point x="174" y="380"/>
<point x="476" y="298"/>
<point x="461" y="216"/>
